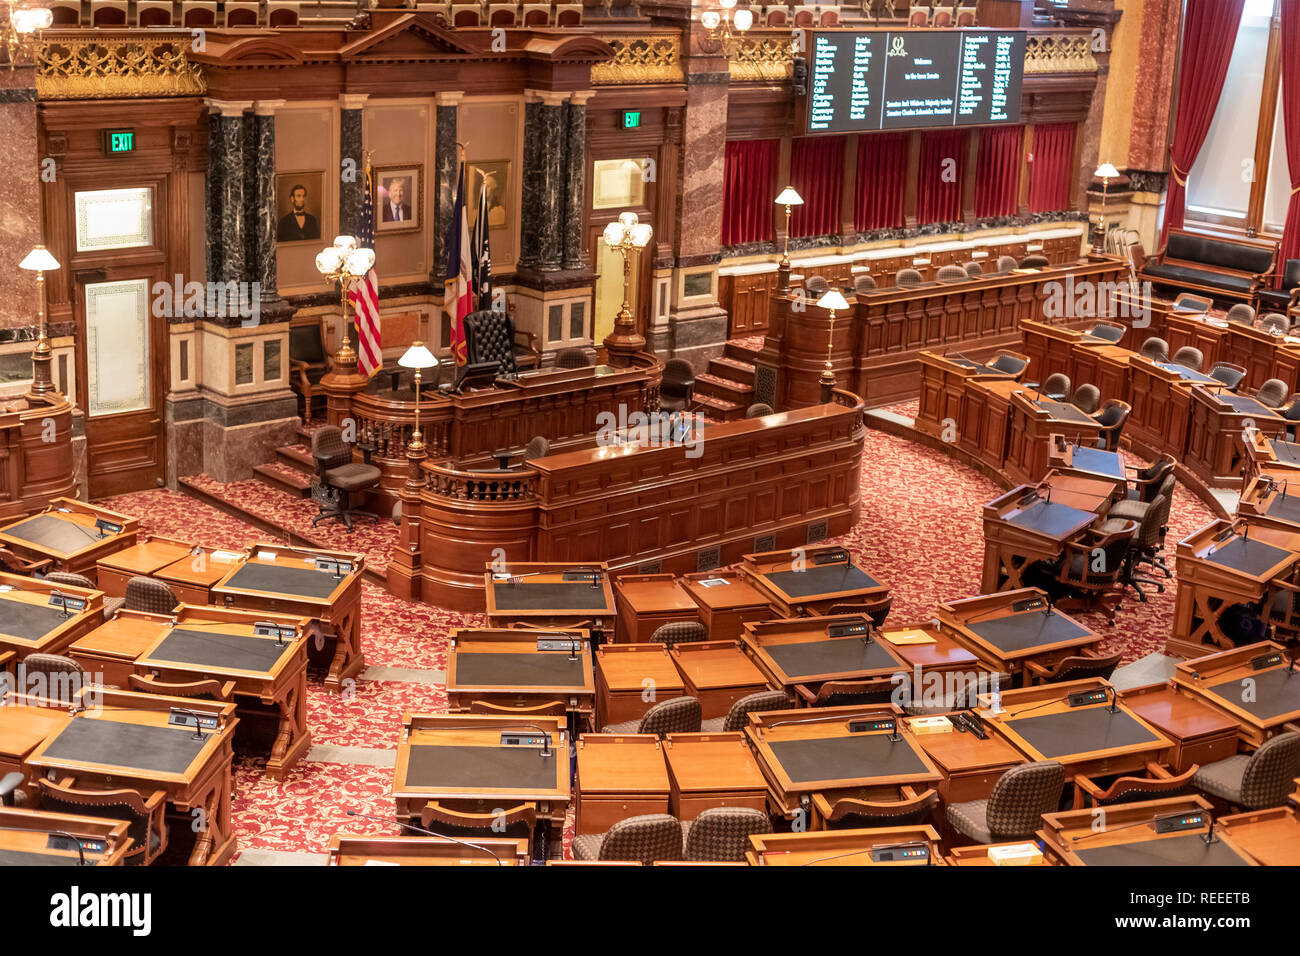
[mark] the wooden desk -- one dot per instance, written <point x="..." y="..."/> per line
<point x="619" y="776"/>
<point x="109" y="652"/>
<point x="1220" y="681"/>
<point x="29" y="624"/>
<point x="1160" y="394"/>
<point x="943" y="382"/>
<point x="348" y="849"/>
<point x="1102" y="364"/>
<point x="324" y="586"/>
<point x="632" y="678"/>
<point x="1201" y="734"/>
<point x="65" y="534"/>
<point x="1021" y="527"/>
<point x="648" y="601"/>
<point x="41" y="838"/>
<point x="812" y="580"/>
<point x="1012" y="628"/>
<point x="127" y="740"/>
<point x="717" y="673"/>
<point x="979" y="855"/>
<point x="1081" y="461"/>
<point x="727" y="601"/>
<point x="712" y="770"/>
<point x="1082" y="492"/>
<point x="971" y="767"/>
<point x="192" y="577"/>
<point x="147" y="557"/>
<point x="1215" y="436"/>
<point x="552" y="595"/>
<point x="838" y="847"/>
<point x="1032" y="421"/>
<point x="1262" y="354"/>
<point x="1270" y="837"/>
<point x="1071" y="838"/>
<point x="943" y="653"/>
<point x="796" y="651"/>
<point x="1269" y="502"/>
<point x="1183" y="329"/>
<point x="517" y="668"/>
<point x="26" y="723"/>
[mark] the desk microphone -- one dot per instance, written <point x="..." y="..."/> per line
<point x="414" y="829"/>
<point x="546" y="750"/>
<point x="63" y="602"/>
<point x="198" y="724"/>
<point x="1113" y="706"/>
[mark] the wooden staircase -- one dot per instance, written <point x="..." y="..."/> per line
<point x="726" y="390"/>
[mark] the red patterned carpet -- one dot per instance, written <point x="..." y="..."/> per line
<point x="920" y="532"/>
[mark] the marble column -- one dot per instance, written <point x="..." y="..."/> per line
<point x="261" y="220"/>
<point x="20" y="202"/>
<point x="541" y="241"/>
<point x="445" y="169"/>
<point x="352" y="147"/>
<point x="212" y="190"/>
<point x="226" y="216"/>
<point x="250" y="211"/>
<point x="575" y="177"/>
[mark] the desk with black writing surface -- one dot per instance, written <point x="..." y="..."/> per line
<point x="1255" y="685"/>
<point x="348" y="849"/>
<point x="1270" y="503"/>
<point x="147" y="742"/>
<point x="324" y="586"/>
<point x="65" y="534"/>
<point x="109" y="652"/>
<point x="1032" y="421"/>
<point x="552" y="595"/>
<point x="809" y="651"/>
<point x="1069" y="458"/>
<point x="1022" y="527"/>
<point x="31" y="624"/>
<point x="521" y="669"/>
<point x="1216" y="434"/>
<point x="149" y="555"/>
<point x="42" y="838"/>
<point x="840" y="847"/>
<point x="1129" y="837"/>
<point x="812" y="580"/>
<point x="632" y="678"/>
<point x="1271" y="837"/>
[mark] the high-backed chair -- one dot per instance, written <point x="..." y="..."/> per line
<point x="1128" y="789"/>
<point x="1087" y="398"/>
<point x="679" y="632"/>
<point x="1107" y="331"/>
<point x="1010" y="363"/>
<point x="1006" y="264"/>
<point x="1227" y="373"/>
<point x="1256" y="781"/>
<point x="1189" y="357"/>
<point x="490" y="337"/>
<point x="1241" y="314"/>
<point x="721" y="834"/>
<point x="111" y="604"/>
<point x="677" y="389"/>
<point x="944" y="13"/>
<point x="908" y="278"/>
<point x="918" y="15"/>
<point x="1276" y="323"/>
<point x="863" y="283"/>
<point x="1074" y="667"/>
<point x="1035" y="262"/>
<point x="951" y="274"/>
<point x="338" y="477"/>
<point x="572" y="358"/>
<point x="308" y="364"/>
<point x="1150" y="517"/>
<point x="1145" y="483"/>
<point x="61" y="676"/>
<point x="144" y="814"/>
<point x="647" y="838"/>
<point x="758" y="410"/>
<point x="538" y="447"/>
<point x="149" y="595"/>
<point x="738" y="716"/>
<point x="1155" y="348"/>
<point x="973" y="269"/>
<point x="677" y="715"/>
<point x="1111" y="418"/>
<point x="1273" y="393"/>
<point x="1092" y="583"/>
<point x="1015" y="808"/>
<point x="1057" y="386"/>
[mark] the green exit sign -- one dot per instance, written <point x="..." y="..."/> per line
<point x="118" y="142"/>
<point x="631" y="119"/>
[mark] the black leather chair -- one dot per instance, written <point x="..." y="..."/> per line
<point x="1156" y="349"/>
<point x="948" y="274"/>
<point x="863" y="283"/>
<point x="308" y="363"/>
<point x="816" y="285"/>
<point x="1112" y="417"/>
<point x="1107" y="331"/>
<point x="1087" y="399"/>
<point x="338" y="477"/>
<point x="1035" y="262"/>
<point x="678" y="386"/>
<point x="1057" y="386"/>
<point x="1281" y="299"/>
<point x="490" y="337"/>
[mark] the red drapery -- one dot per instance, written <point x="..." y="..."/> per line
<point x="1209" y="32"/>
<point x="882" y="177"/>
<point x="816" y="172"/>
<point x="748" y="191"/>
<point x="939" y="176"/>
<point x="997" y="171"/>
<point x="1050" y="171"/>
<point x="1290" y="248"/>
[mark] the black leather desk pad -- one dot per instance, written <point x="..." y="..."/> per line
<point x="30" y="621"/>
<point x="1247" y="556"/>
<point x="213" y="649"/>
<point x="1189" y="849"/>
<point x="1285" y="507"/>
<point x="24" y="858"/>
<point x="1287" y="451"/>
<point x="839" y="655"/>
<point x="1079" y="731"/>
<point x="130" y="746"/>
<point x="1097" y="461"/>
<point x="974" y="366"/>
<point x="1020" y="632"/>
<point x="1065" y="412"/>
<point x="501" y="768"/>
<point x="823" y="579"/>
<point x="545" y="668"/>
<point x="277" y="579"/>
<point x="1052" y="518"/>
<point x="1188" y="374"/>
<point x="1244" y="403"/>
<point x="1275" y="692"/>
<point x="545" y="595"/>
<point x="52" y="532"/>
<point x="843" y="758"/>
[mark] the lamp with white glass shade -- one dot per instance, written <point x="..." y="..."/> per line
<point x="40" y="261"/>
<point x="18" y="30"/>
<point x="832" y="301"/>
<point x="723" y="26"/>
<point x="628" y="236"/>
<point x="1105" y="172"/>
<point x="789" y="199"/>
<point x="344" y="262"/>
<point x="417" y="357"/>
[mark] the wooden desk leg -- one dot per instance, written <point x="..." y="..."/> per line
<point x="293" y="737"/>
<point x="348" y="660"/>
<point x="216" y="841"/>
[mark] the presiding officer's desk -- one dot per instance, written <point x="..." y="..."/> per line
<point x="1024" y="526"/>
<point x="41" y="838"/>
<point x="1129" y="837"/>
<point x="1272" y="837"/>
<point x="347" y="849"/>
<point x="844" y="847"/>
<point x="70" y="535"/>
<point x="42" y="617"/>
<point x="1254" y="685"/>
<point x="812" y="580"/>
<point x="552" y="595"/>
<point x="521" y="671"/>
<point x="324" y="586"/>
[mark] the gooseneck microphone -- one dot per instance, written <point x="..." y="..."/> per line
<point x="414" y="829"/>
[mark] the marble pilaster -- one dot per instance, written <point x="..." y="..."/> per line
<point x="227" y="216"/>
<point x="352" y="147"/>
<point x="445" y="165"/>
<point x="575" y="172"/>
<point x="20" y="191"/>
<point x="212" y="191"/>
<point x="261" y="221"/>
<point x="542" y="221"/>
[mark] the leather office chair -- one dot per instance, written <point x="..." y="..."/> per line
<point x="1087" y="399"/>
<point x="1282" y="606"/>
<point x="1156" y="349"/>
<point x="647" y="838"/>
<point x="11" y="790"/>
<point x="1035" y="262"/>
<point x="721" y="834"/>
<point x="61" y="676"/>
<point x="816" y="285"/>
<point x="908" y="279"/>
<point x="973" y="269"/>
<point x="1187" y="302"/>
<point x="679" y="632"/>
<point x="338" y="477"/>
<point x="1005" y="264"/>
<point x="111" y="604"/>
<point x="1102" y="588"/>
<point x="851" y="813"/>
<point x="1160" y="783"/>
<point x="1015" y="808"/>
<point x="677" y="715"/>
<point x="1275" y="323"/>
<point x="737" y="717"/>
<point x="1189" y="357"/>
<point x="677" y="388"/>
<point x="1057" y="386"/>
<point x="951" y="274"/>
<point x="1010" y="363"/>
<point x="149" y="595"/>
<point x="758" y="410"/>
<point x="1241" y="314"/>
<point x="1254" y="781"/>
<point x="537" y="447"/>
<point x="1112" y="418"/>
<point x="1145" y="483"/>
<point x="1107" y="331"/>
<point x="1292" y="415"/>
<point x="1074" y="667"/>
<point x="864" y="283"/>
<point x="572" y="358"/>
<point x="308" y="363"/>
<point x="1151" y="517"/>
<point x="1273" y="393"/>
<point x="1230" y="375"/>
<point x="490" y="337"/>
<point x="144" y="815"/>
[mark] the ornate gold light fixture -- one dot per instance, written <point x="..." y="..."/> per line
<point x="628" y="236"/>
<point x="344" y="263"/>
<point x="19" y="28"/>
<point x="726" y="25"/>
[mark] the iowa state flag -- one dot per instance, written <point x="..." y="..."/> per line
<point x="458" y="294"/>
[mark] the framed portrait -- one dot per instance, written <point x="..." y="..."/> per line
<point x="299" y="206"/>
<point x="399" y="198"/>
<point x="494" y="178"/>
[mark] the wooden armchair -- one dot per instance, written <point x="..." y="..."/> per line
<point x="527" y="355"/>
<point x="308" y="363"/>
<point x="550" y="708"/>
<point x="1102" y="588"/>
<point x="1159" y="783"/>
<point x="877" y="610"/>
<point x="516" y="822"/>
<point x="13" y="564"/>
<point x="199" y="689"/>
<point x="1074" y="667"/>
<point x="877" y="690"/>
<point x="145" y="815"/>
<point x="855" y="813"/>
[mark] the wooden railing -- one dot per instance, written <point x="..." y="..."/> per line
<point x="36" y="460"/>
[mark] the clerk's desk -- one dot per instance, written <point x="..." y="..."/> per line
<point x="846" y="847"/>
<point x="1220" y="565"/>
<point x="1129" y="836"/>
<point x="812" y="580"/>
<point x="518" y="672"/>
<point x="41" y="838"/>
<point x="347" y="849"/>
<point x="552" y="595"/>
<point x="1220" y="424"/>
<point x="1254" y="685"/>
<point x="40" y="617"/>
<point x="148" y="743"/>
<point x="323" y="586"/>
<point x="1031" y="523"/>
<point x="70" y="535"/>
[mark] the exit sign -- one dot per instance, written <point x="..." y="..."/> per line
<point x="118" y="142"/>
<point x="631" y="119"/>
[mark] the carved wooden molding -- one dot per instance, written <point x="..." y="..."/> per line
<point x="641" y="59"/>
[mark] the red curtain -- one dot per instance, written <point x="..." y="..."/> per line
<point x="748" y="188"/>
<point x="882" y="177"/>
<point x="816" y="172"/>
<point x="997" y="171"/>
<point x="1290" y="248"/>
<point x="1209" y="34"/>
<point x="1050" y="174"/>
<point x="940" y="170"/>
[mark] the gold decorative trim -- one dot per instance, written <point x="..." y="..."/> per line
<point x="762" y="59"/>
<point x="109" y="66"/>
<point x="1059" y="53"/>
<point x="645" y="59"/>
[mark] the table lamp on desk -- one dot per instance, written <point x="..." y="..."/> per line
<point x="417" y="357"/>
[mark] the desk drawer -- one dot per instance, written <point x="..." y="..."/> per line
<point x="598" y="814"/>
<point x="189" y="593"/>
<point x="628" y="705"/>
<point x="111" y="671"/>
<point x="717" y="703"/>
<point x="962" y="787"/>
<point x="113" y="582"/>
<point x="690" y="807"/>
<point x="1203" y="752"/>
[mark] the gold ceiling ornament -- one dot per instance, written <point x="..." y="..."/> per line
<point x="768" y="58"/>
<point x="1060" y="53"/>
<point x="20" y="29"/>
<point x="105" y="66"/>
<point x="640" y="59"/>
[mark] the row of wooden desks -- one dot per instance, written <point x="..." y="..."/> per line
<point x="70" y="535"/>
<point x="40" y="838"/>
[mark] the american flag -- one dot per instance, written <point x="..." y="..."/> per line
<point x="458" y="299"/>
<point x="364" y="293"/>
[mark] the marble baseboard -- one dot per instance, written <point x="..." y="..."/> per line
<point x="224" y="453"/>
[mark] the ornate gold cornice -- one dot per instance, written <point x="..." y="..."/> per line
<point x="643" y="59"/>
<point x="1059" y="53"/>
<point x="113" y="66"/>
<point x="762" y="59"/>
